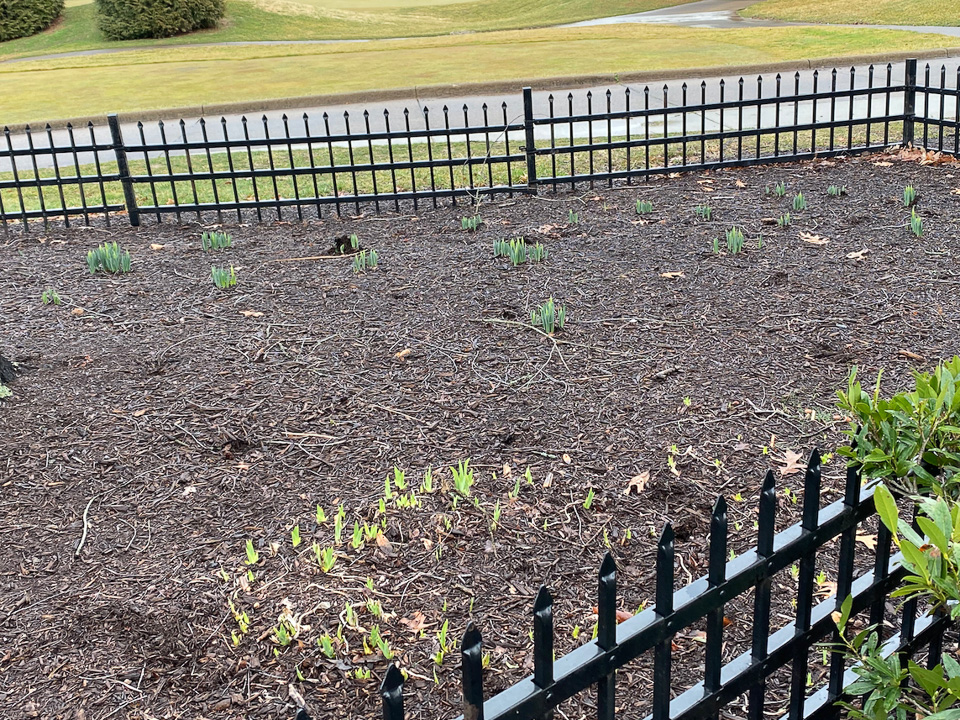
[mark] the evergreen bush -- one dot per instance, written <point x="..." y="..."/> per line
<point x="134" y="19"/>
<point x="20" y="18"/>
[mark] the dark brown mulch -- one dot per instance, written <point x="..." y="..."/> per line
<point x="157" y="424"/>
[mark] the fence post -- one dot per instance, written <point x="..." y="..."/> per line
<point x="529" y="147"/>
<point x="123" y="170"/>
<point x="909" y="100"/>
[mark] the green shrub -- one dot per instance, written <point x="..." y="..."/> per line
<point x="20" y="18"/>
<point x="133" y="19"/>
<point x="911" y="440"/>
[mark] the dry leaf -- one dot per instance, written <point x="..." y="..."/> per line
<point x="700" y="635"/>
<point x="428" y="544"/>
<point x="741" y="184"/>
<point x="955" y="191"/>
<point x="403" y="354"/>
<point x="251" y="313"/>
<point x="77" y="311"/>
<point x="638" y="483"/>
<point x="140" y="413"/>
<point x="858" y="254"/>
<point x="548" y="480"/>
<point x="157" y="246"/>
<point x="793" y="462"/>
<point x="621" y="614"/>
<point x="883" y="163"/>
<point x="672" y="274"/>
<point x="813" y="239"/>
<point x="835" y="616"/>
<point x="869" y="540"/>
<point x="566" y="458"/>
<point x="911" y="355"/>
<point x="826" y="588"/>
<point x="415" y="623"/>
<point x="507" y="470"/>
<point x="385" y="545"/>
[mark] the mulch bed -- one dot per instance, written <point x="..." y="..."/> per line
<point x="158" y="423"/>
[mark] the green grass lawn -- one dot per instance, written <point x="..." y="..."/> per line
<point x="248" y="20"/>
<point x="141" y="80"/>
<point x="875" y="12"/>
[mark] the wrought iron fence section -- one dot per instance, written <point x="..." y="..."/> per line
<point x="650" y="133"/>
<point x="300" y="167"/>
<point x="594" y="664"/>
<point x="278" y="168"/>
<point x="74" y="167"/>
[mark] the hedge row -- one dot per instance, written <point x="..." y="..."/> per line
<point x="134" y="19"/>
<point x="19" y="18"/>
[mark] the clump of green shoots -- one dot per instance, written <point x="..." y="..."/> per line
<point x="779" y="189"/>
<point x="515" y="250"/>
<point x="518" y="251"/>
<point x="223" y="278"/>
<point x="703" y="212"/>
<point x="348" y="243"/>
<point x="215" y="240"/>
<point x="588" y="502"/>
<point x="253" y="557"/>
<point x="909" y="195"/>
<point x="326" y="558"/>
<point x="549" y="316"/>
<point x="365" y="260"/>
<point x="916" y="223"/>
<point x="837" y="190"/>
<point x="470" y="224"/>
<point x="380" y="643"/>
<point x="462" y="477"/>
<point x="799" y="202"/>
<point x="446" y="645"/>
<point x="734" y="238"/>
<point x="784" y="220"/>
<point x="326" y="646"/>
<point x="536" y="252"/>
<point x="644" y="207"/>
<point x="50" y="297"/>
<point x="573" y="218"/>
<point x="109" y="258"/>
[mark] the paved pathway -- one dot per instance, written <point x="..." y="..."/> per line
<point x="725" y="14"/>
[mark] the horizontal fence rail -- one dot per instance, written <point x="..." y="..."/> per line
<point x="595" y="664"/>
<point x="301" y="167"/>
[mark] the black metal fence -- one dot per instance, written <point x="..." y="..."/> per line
<point x="595" y="664"/>
<point x="297" y="168"/>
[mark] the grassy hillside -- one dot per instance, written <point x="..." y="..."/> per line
<point x="331" y="20"/>
<point x="875" y="12"/>
<point x="149" y="79"/>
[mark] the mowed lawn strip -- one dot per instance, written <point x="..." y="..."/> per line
<point x="150" y="80"/>
<point x="878" y="12"/>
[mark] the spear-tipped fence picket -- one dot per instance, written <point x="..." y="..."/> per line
<point x="593" y="666"/>
<point x="299" y="168"/>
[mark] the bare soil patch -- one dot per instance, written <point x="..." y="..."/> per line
<point x="169" y="422"/>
